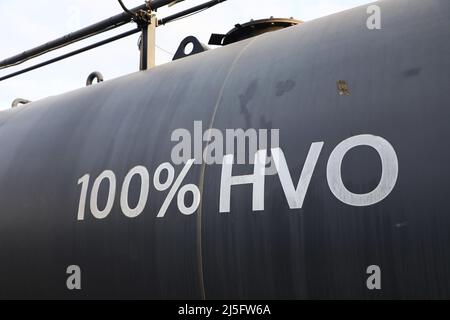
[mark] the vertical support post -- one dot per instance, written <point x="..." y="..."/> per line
<point x="148" y="44"/>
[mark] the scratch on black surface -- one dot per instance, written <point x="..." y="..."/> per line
<point x="401" y="224"/>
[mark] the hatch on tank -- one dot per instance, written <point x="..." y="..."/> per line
<point x="252" y="29"/>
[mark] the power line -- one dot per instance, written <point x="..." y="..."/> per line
<point x="164" y="50"/>
<point x="70" y="54"/>
<point x="98" y="28"/>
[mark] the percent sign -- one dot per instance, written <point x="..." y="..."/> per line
<point x="192" y="188"/>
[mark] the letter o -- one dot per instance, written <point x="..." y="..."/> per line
<point x="389" y="164"/>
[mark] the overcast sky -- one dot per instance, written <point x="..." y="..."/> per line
<point x="24" y="24"/>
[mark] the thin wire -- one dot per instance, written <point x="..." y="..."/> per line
<point x="166" y="51"/>
<point x="126" y="9"/>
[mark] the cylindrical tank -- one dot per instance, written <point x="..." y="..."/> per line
<point x="324" y="81"/>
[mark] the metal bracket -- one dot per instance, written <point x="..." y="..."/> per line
<point x="143" y="17"/>
<point x="148" y="23"/>
<point x="198" y="47"/>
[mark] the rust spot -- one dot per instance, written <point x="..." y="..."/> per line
<point x="342" y="87"/>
